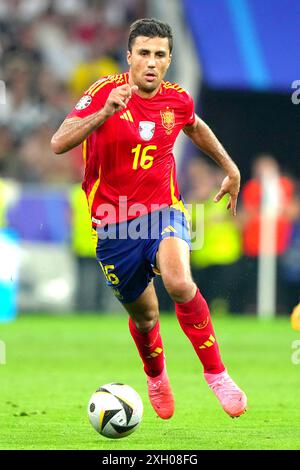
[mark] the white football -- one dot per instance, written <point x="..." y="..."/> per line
<point x="115" y="410"/>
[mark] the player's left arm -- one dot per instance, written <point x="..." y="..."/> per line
<point x="203" y="137"/>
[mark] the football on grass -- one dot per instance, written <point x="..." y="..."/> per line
<point x="115" y="410"/>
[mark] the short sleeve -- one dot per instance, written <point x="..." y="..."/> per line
<point x="190" y="114"/>
<point x="92" y="100"/>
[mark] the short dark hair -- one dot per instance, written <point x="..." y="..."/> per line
<point x="151" y="28"/>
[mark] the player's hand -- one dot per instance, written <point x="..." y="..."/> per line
<point x="118" y="98"/>
<point x="231" y="186"/>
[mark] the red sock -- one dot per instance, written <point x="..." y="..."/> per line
<point x="194" y="319"/>
<point x="150" y="348"/>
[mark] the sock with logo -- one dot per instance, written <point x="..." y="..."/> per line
<point x="195" y="321"/>
<point x="150" y="348"/>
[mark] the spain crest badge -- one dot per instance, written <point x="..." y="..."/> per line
<point x="168" y="119"/>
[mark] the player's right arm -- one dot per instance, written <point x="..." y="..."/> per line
<point x="75" y="130"/>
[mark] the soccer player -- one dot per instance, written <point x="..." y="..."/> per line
<point x="128" y="124"/>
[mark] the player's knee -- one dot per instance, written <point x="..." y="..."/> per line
<point x="146" y="323"/>
<point x="179" y="288"/>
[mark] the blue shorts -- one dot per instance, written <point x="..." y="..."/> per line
<point x="126" y="251"/>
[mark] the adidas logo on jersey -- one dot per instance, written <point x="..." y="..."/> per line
<point x="127" y="116"/>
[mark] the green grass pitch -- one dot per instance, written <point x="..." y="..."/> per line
<point x="54" y="364"/>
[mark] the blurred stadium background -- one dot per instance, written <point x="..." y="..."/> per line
<point x="240" y="61"/>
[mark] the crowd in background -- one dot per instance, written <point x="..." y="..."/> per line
<point x="227" y="265"/>
<point x="50" y="54"/>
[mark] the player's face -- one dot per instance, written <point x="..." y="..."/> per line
<point x="149" y="61"/>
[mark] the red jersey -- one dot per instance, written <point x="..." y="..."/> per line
<point x="130" y="167"/>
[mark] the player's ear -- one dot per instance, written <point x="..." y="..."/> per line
<point x="170" y="59"/>
<point x="128" y="57"/>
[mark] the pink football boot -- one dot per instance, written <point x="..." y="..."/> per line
<point x="231" y="397"/>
